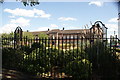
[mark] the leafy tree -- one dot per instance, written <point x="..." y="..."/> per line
<point x="4" y="35"/>
<point x="30" y="2"/>
<point x="26" y="2"/>
<point x="7" y="35"/>
<point x="28" y="35"/>
<point x="42" y="35"/>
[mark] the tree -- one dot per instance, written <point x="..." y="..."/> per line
<point x="28" y="35"/>
<point x="26" y="2"/>
<point x="42" y="35"/>
<point x="6" y="35"/>
<point x="77" y="64"/>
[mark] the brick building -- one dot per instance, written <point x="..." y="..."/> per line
<point x="94" y="32"/>
<point x="70" y="37"/>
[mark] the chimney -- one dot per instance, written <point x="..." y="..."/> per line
<point x="63" y="28"/>
<point x="48" y="29"/>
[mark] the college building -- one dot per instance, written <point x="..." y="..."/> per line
<point x="96" y="31"/>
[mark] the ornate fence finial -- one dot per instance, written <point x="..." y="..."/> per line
<point x="17" y="36"/>
<point x="98" y="30"/>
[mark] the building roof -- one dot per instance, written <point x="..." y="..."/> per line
<point x="54" y="31"/>
<point x="38" y="32"/>
<point x="74" y="31"/>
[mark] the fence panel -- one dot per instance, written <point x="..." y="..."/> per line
<point x="79" y="58"/>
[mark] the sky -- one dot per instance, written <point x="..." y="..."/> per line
<point x="56" y="15"/>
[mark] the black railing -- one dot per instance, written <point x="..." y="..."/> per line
<point x="79" y="58"/>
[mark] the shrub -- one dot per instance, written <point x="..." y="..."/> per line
<point x="103" y="59"/>
<point x="78" y="69"/>
<point x="35" y="59"/>
<point x="11" y="58"/>
<point x="77" y="64"/>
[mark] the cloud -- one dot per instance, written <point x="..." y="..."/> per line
<point x="41" y="29"/>
<point x="97" y="3"/>
<point x="22" y="22"/>
<point x="74" y="27"/>
<point x="12" y="16"/>
<point x="113" y="20"/>
<point x="28" y="13"/>
<point x="111" y="29"/>
<point x="8" y="28"/>
<point x="67" y="19"/>
<point x="54" y="26"/>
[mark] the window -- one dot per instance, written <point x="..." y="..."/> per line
<point x="71" y="36"/>
<point x="64" y="37"/>
<point x="75" y="36"/>
<point x="68" y="36"/>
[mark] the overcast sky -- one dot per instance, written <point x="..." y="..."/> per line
<point x="56" y="15"/>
